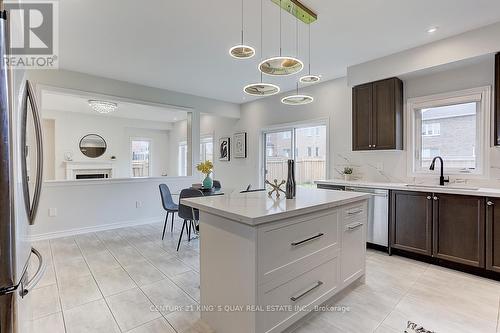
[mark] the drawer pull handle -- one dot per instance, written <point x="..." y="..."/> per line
<point x="296" y="298"/>
<point x="355" y="212"/>
<point x="308" y="239"/>
<point x="354" y="226"/>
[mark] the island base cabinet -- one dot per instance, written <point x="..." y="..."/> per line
<point x="353" y="243"/>
<point x="289" y="301"/>
<point x="240" y="291"/>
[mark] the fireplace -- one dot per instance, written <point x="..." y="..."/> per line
<point x="89" y="170"/>
<point x="92" y="176"/>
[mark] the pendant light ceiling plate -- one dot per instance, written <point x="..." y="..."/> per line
<point x="297" y="9"/>
<point x="242" y="52"/>
<point x="310" y="78"/>
<point x="297" y="100"/>
<point x="281" y="66"/>
<point x="261" y="89"/>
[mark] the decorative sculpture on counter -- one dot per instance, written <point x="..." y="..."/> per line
<point x="276" y="187"/>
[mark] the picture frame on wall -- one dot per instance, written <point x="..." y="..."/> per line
<point x="225" y="149"/>
<point x="240" y="145"/>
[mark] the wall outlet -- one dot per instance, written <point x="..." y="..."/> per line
<point x="138" y="204"/>
<point x="52" y="212"/>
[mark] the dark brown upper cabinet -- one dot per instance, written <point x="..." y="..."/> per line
<point x="377" y="115"/>
<point x="497" y="100"/>
<point x="411" y="221"/>
<point x="493" y="234"/>
<point x="459" y="229"/>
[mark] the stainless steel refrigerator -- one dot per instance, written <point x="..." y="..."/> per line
<point x="21" y="161"/>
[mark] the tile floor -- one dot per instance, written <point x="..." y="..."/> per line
<point x="111" y="281"/>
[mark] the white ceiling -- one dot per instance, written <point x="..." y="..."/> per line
<point x="183" y="45"/>
<point x="55" y="101"/>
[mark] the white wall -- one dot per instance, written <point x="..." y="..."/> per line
<point x="333" y="100"/>
<point x="87" y="206"/>
<point x="469" y="45"/>
<point x="70" y="127"/>
<point x="103" y="86"/>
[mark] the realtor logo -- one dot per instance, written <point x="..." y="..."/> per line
<point x="34" y="35"/>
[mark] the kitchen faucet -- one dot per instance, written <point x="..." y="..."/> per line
<point x="441" y="178"/>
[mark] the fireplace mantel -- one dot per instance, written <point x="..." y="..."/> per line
<point x="74" y="168"/>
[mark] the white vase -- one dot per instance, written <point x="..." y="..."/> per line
<point x="347" y="177"/>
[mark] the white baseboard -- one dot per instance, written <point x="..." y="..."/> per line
<point x="84" y="230"/>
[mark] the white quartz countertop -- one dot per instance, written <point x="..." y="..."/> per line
<point x="257" y="207"/>
<point x="462" y="189"/>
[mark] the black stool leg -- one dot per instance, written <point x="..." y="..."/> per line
<point x="164" y="226"/>
<point x="172" y="226"/>
<point x="189" y="230"/>
<point x="180" y="236"/>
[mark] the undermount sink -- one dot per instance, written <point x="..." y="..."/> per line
<point x="452" y="187"/>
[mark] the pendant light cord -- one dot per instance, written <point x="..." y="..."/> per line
<point x="280" y="23"/>
<point x="309" y="48"/>
<point x="297" y="37"/>
<point x="261" y="38"/>
<point x="242" y="42"/>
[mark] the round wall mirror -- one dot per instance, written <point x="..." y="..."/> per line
<point x="92" y="145"/>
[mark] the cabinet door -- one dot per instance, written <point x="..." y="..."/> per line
<point x="387" y="114"/>
<point x="493" y="235"/>
<point x="362" y="101"/>
<point x="497" y="99"/>
<point x="411" y="221"/>
<point x="459" y="229"/>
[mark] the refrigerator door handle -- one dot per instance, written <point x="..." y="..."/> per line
<point x="32" y="206"/>
<point x="26" y="288"/>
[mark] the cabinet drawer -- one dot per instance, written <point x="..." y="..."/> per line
<point x="303" y="292"/>
<point x="355" y="213"/>
<point x="284" y="246"/>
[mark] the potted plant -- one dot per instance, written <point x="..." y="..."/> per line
<point x="206" y="168"/>
<point x="347" y="173"/>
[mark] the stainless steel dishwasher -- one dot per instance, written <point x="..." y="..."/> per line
<point x="378" y="216"/>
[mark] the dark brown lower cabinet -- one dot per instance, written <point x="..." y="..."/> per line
<point x="411" y="221"/>
<point x="493" y="234"/>
<point x="459" y="229"/>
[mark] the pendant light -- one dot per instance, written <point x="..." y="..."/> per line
<point x="297" y="99"/>
<point x="281" y="65"/>
<point x="242" y="51"/>
<point x="310" y="78"/>
<point x="261" y="88"/>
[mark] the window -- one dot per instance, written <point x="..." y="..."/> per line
<point x="207" y="148"/>
<point x="141" y="158"/>
<point x="302" y="142"/>
<point x="182" y="158"/>
<point x="453" y="126"/>
<point x="430" y="128"/>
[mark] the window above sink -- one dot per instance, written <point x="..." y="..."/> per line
<point x="451" y="125"/>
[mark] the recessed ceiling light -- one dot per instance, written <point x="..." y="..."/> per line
<point x="432" y="30"/>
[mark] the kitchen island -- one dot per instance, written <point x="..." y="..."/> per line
<point x="266" y="262"/>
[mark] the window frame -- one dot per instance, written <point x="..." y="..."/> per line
<point x="481" y="96"/>
<point x="150" y="157"/>
<point x="182" y="143"/>
<point x="203" y="150"/>
<point x="292" y="127"/>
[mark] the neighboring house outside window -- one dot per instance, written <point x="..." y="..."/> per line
<point x="453" y="126"/>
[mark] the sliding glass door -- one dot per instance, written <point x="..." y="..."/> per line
<point x="307" y="145"/>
